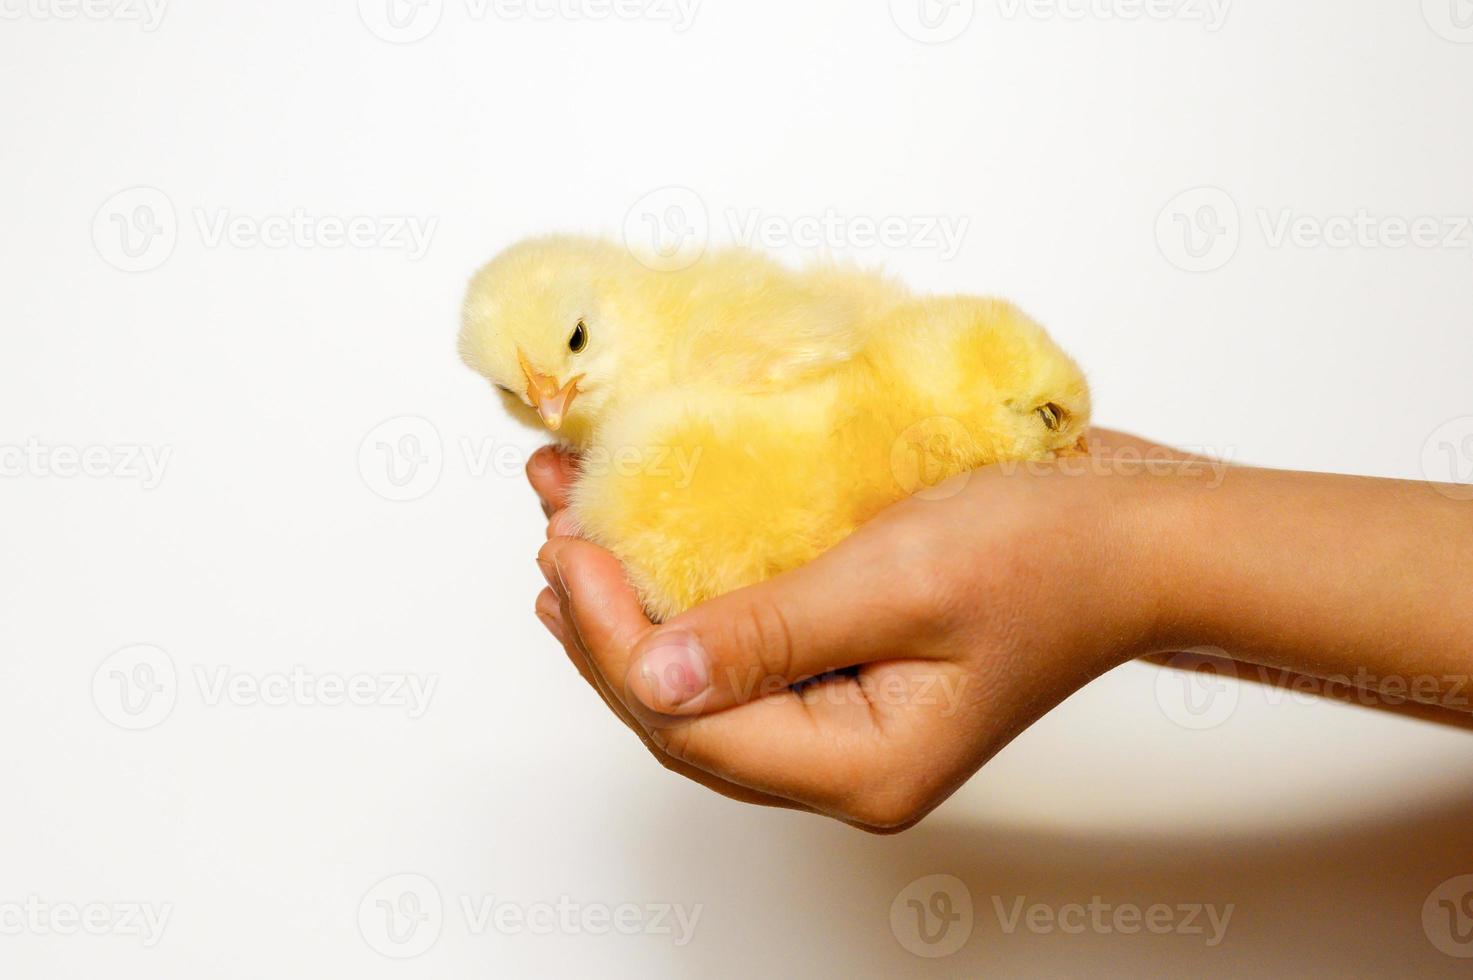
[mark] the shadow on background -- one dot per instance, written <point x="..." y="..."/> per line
<point x="1343" y="899"/>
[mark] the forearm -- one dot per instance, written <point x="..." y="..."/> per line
<point x="1330" y="576"/>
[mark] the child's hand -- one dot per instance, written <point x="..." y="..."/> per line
<point x="956" y="622"/>
<point x="958" y="617"/>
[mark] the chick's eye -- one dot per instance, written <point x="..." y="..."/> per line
<point x="579" y="340"/>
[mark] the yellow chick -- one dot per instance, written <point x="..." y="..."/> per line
<point x="737" y="418"/>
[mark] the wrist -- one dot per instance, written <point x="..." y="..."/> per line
<point x="1160" y="522"/>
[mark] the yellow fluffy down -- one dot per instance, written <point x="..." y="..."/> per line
<point x="736" y="419"/>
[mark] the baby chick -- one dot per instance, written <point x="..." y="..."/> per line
<point x="737" y="418"/>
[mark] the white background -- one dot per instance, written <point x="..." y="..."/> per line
<point x="269" y="543"/>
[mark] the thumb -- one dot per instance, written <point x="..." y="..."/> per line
<point x="855" y="604"/>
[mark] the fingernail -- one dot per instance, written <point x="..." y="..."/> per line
<point x="672" y="673"/>
<point x="554" y="626"/>
<point x="551" y="615"/>
<point x="554" y="580"/>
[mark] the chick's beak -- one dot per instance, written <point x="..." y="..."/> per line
<point x="551" y="400"/>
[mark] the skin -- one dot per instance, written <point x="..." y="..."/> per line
<point x="871" y="683"/>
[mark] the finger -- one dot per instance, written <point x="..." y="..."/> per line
<point x="834" y="745"/>
<point x="871" y="598"/>
<point x="551" y="473"/>
<point x="554" y="615"/>
<point x="870" y="749"/>
<point x="561" y="524"/>
<point x="549" y="611"/>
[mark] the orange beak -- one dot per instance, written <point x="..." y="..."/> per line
<point x="551" y="400"/>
